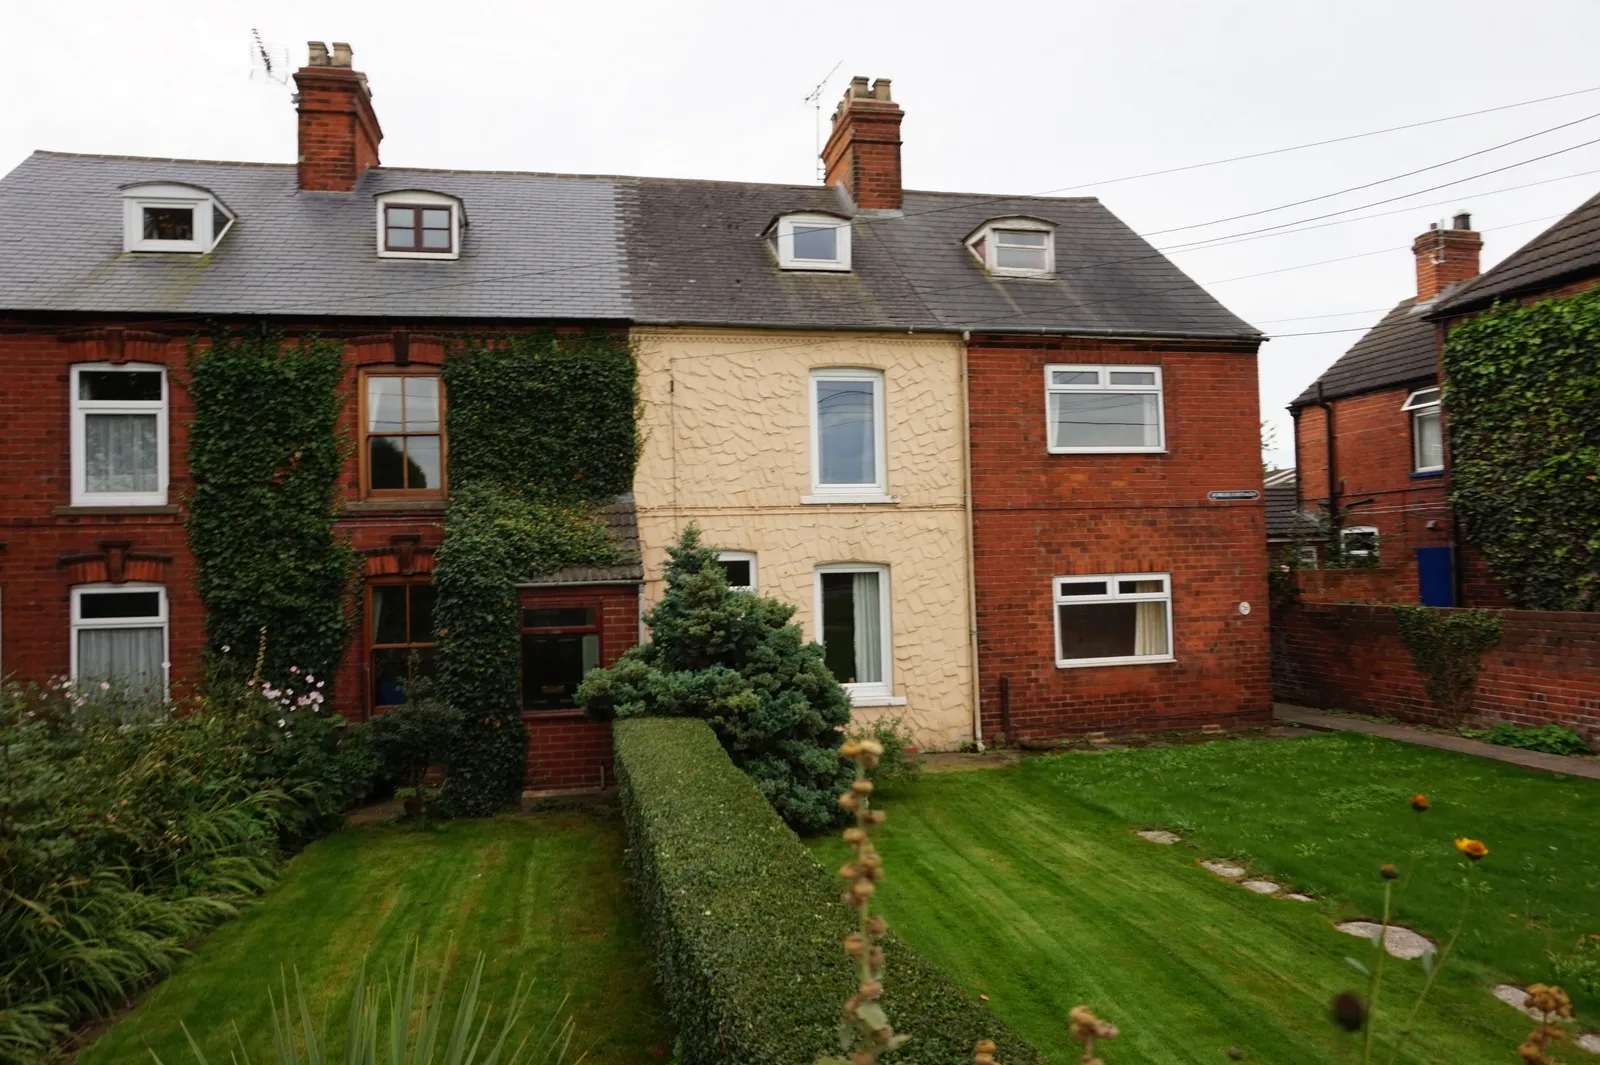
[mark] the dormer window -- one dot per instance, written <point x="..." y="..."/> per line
<point x="812" y="242"/>
<point x="1015" y="247"/>
<point x="172" y="218"/>
<point x="419" y="225"/>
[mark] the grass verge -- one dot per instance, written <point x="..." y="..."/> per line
<point x="1028" y="886"/>
<point x="542" y="896"/>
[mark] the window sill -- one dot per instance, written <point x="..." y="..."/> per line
<point x="1422" y="474"/>
<point x="868" y="498"/>
<point x="1106" y="450"/>
<point x="1085" y="663"/>
<point x="127" y="510"/>
<point x="395" y="506"/>
<point x="877" y="700"/>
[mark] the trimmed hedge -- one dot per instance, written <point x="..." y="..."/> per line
<point x="748" y="925"/>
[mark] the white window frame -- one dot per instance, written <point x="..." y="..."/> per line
<point x="1104" y="386"/>
<point x="135" y="198"/>
<point x="876" y="492"/>
<point x="1424" y="403"/>
<point x="78" y="624"/>
<point x="741" y="556"/>
<point x="1057" y="601"/>
<point x="420" y="198"/>
<point x="1358" y="530"/>
<point x="81" y="408"/>
<point x="879" y="693"/>
<point x="984" y="243"/>
<point x="783" y="240"/>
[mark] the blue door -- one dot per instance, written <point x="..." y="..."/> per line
<point x="1436" y="578"/>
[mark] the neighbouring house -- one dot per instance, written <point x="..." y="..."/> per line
<point x="999" y="452"/>
<point x="1369" y="438"/>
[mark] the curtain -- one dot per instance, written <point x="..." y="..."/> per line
<point x="869" y="628"/>
<point x="1150" y="629"/>
<point x="127" y="657"/>
<point x="846" y="435"/>
<point x="120" y="453"/>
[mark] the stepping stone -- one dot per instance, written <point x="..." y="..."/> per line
<point x="1262" y="887"/>
<point x="1295" y="896"/>
<point x="1399" y="942"/>
<point x="1589" y="1041"/>
<point x="1157" y="835"/>
<point x="1223" y="869"/>
<point x="1513" y="996"/>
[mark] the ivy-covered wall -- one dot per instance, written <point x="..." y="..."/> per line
<point x="265" y="456"/>
<point x="1522" y="395"/>
<point x="542" y="430"/>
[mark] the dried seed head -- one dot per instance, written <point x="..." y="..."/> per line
<point x="877" y="926"/>
<point x="849" y="801"/>
<point x="983" y="1046"/>
<point x="861" y="1057"/>
<point x="1389" y="872"/>
<point x="862" y="787"/>
<point x="854" y="943"/>
<point x="1549" y="999"/>
<point x="854" y="835"/>
<point x="848" y="871"/>
<point x="1348" y="1011"/>
<point x="850" y="749"/>
<point x="870" y="989"/>
<point x="862" y="889"/>
<point x="871" y="747"/>
<point x="875" y="817"/>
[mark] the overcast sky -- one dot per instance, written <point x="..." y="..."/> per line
<point x="999" y="98"/>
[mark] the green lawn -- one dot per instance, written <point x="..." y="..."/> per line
<point x="1028" y="885"/>
<point x="541" y="895"/>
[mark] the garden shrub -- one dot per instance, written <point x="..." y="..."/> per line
<point x="898" y="761"/>
<point x="748" y="925"/>
<point x="413" y="736"/>
<point x="735" y="659"/>
<point x="1550" y="738"/>
<point x="1447" y="646"/>
<point x="125" y="836"/>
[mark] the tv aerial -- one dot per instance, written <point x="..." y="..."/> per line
<point x="814" y="98"/>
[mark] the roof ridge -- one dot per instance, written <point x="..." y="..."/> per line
<point x="155" y="159"/>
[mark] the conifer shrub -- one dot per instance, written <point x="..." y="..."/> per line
<point x="738" y="661"/>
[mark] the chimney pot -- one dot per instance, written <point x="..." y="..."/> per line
<point x="339" y="131"/>
<point x="1462" y="220"/>
<point x="863" y="149"/>
<point x="341" y="54"/>
<point x="319" y="54"/>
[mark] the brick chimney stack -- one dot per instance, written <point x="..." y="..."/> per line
<point x="863" y="151"/>
<point x="339" y="132"/>
<point x="1446" y="256"/>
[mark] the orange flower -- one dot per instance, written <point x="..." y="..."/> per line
<point x="1471" y="848"/>
<point x="1419" y="803"/>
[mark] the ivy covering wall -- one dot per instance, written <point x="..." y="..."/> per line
<point x="542" y="431"/>
<point x="1522" y="391"/>
<point x="265" y="455"/>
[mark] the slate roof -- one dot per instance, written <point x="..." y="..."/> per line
<point x="1566" y="251"/>
<point x="1399" y="350"/>
<point x="622" y="522"/>
<point x="550" y="246"/>
<point x="1280" y="503"/>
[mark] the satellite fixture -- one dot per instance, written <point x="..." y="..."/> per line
<point x="814" y="98"/>
<point x="269" y="63"/>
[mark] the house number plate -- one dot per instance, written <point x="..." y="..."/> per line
<point x="1243" y="493"/>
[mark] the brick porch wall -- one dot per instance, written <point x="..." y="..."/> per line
<point x="1351" y="657"/>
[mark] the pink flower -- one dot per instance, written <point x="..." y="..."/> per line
<point x="226" y="648"/>
<point x="105" y="686"/>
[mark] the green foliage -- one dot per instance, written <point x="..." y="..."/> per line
<point x="265" y="454"/>
<point x="1446" y="646"/>
<point x="1550" y="738"/>
<point x="405" y="1015"/>
<point x="748" y="925"/>
<point x="1522" y="387"/>
<point x="412" y="737"/>
<point x="734" y="659"/>
<point x="1580" y="967"/>
<point x="899" y="760"/>
<point x="542" y="431"/>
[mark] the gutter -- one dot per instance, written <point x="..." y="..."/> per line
<point x="965" y="332"/>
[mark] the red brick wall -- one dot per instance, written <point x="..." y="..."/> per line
<point x="565" y="748"/>
<point x="1380" y="584"/>
<point x="1349" y="657"/>
<point x="1039" y="516"/>
<point x="339" y="132"/>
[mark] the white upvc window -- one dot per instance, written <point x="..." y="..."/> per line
<point x="119" y="435"/>
<point x="1017" y="247"/>
<point x="119" y="637"/>
<point x="848" y="451"/>
<point x="812" y="242"/>
<point x="740" y="566"/>
<point x="416" y="224"/>
<point x="853" y="626"/>
<point x="1359" y="541"/>
<point x="172" y="218"/>
<point x="1427" y="430"/>
<point x="1113" y="619"/>
<point x="1104" y="409"/>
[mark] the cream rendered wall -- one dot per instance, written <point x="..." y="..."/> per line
<point x="726" y="422"/>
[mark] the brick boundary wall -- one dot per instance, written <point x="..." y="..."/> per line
<point x="1346" y="656"/>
